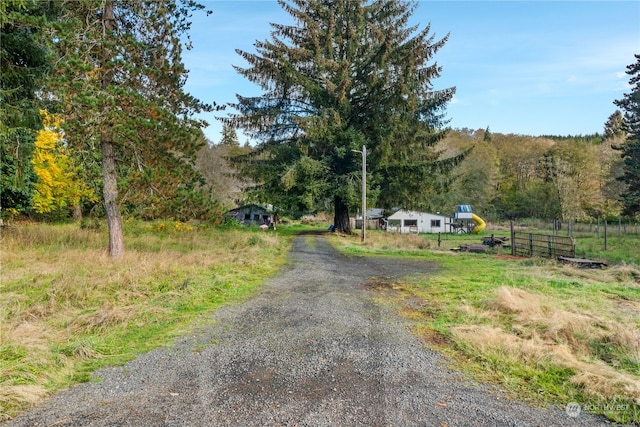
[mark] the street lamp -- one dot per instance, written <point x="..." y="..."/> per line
<point x="364" y="189"/>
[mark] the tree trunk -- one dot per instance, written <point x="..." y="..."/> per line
<point x="77" y="212"/>
<point x="110" y="190"/>
<point x="109" y="175"/>
<point x="341" y="216"/>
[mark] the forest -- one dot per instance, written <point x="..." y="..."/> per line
<point x="100" y="126"/>
<point x="504" y="176"/>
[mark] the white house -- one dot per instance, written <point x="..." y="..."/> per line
<point x="405" y="221"/>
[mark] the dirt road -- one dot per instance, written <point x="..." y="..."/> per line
<point x="312" y="348"/>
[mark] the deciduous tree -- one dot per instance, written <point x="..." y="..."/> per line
<point x="572" y="168"/>
<point x="614" y="127"/>
<point x="58" y="185"/>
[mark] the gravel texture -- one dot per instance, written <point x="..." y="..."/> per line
<point x="312" y="348"/>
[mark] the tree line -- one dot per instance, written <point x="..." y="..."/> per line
<point x="547" y="177"/>
<point x="93" y="108"/>
<point x="112" y="71"/>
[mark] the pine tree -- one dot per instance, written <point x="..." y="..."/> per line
<point x="120" y="88"/>
<point x="229" y="136"/>
<point x="631" y="148"/>
<point x="350" y="73"/>
<point x="487" y="135"/>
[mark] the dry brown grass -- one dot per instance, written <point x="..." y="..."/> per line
<point x="541" y="329"/>
<point x="60" y="293"/>
<point x="396" y="241"/>
<point x="544" y="332"/>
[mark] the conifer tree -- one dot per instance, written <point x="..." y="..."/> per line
<point x="23" y="62"/>
<point x="229" y="136"/>
<point x="348" y="73"/>
<point x="120" y="90"/>
<point x="631" y="148"/>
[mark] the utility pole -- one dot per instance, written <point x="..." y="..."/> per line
<point x="364" y="190"/>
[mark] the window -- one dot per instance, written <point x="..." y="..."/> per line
<point x="393" y="225"/>
<point x="435" y="223"/>
<point x="412" y="225"/>
<point x="247" y="217"/>
<point x="256" y="217"/>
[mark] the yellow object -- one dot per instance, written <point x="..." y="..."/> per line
<point x="481" y="224"/>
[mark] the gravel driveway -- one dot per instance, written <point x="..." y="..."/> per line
<point x="312" y="348"/>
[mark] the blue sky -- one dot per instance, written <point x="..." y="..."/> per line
<point x="521" y="67"/>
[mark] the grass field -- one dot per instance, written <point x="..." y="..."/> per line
<point x="545" y="332"/>
<point x="66" y="308"/>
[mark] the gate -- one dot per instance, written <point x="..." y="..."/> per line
<point x="542" y="245"/>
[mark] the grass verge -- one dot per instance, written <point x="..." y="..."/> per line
<point x="545" y="332"/>
<point x="67" y="309"/>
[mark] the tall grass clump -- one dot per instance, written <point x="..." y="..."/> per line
<point x="66" y="308"/>
<point x="542" y="330"/>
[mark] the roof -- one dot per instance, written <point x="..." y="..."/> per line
<point x="375" y="213"/>
<point x="414" y="214"/>
<point x="251" y="207"/>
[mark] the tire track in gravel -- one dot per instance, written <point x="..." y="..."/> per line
<point x="312" y="348"/>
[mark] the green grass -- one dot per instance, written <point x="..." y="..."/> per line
<point x="67" y="309"/>
<point x="543" y="331"/>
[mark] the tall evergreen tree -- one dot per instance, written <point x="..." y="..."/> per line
<point x="229" y="136"/>
<point x="23" y="62"/>
<point x="487" y="135"/>
<point x="631" y="148"/>
<point x="120" y="88"/>
<point x="349" y="73"/>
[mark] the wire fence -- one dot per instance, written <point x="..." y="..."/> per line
<point x="600" y="228"/>
<point x="615" y="239"/>
<point x="597" y="228"/>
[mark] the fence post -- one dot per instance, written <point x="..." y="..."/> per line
<point x="513" y="240"/>
<point x="549" y="246"/>
<point x="530" y="244"/>
<point x="605" y="234"/>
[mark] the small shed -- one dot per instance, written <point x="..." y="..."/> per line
<point x="405" y="221"/>
<point x="375" y="219"/>
<point x="250" y="214"/>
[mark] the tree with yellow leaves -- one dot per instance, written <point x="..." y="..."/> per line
<point x="58" y="186"/>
